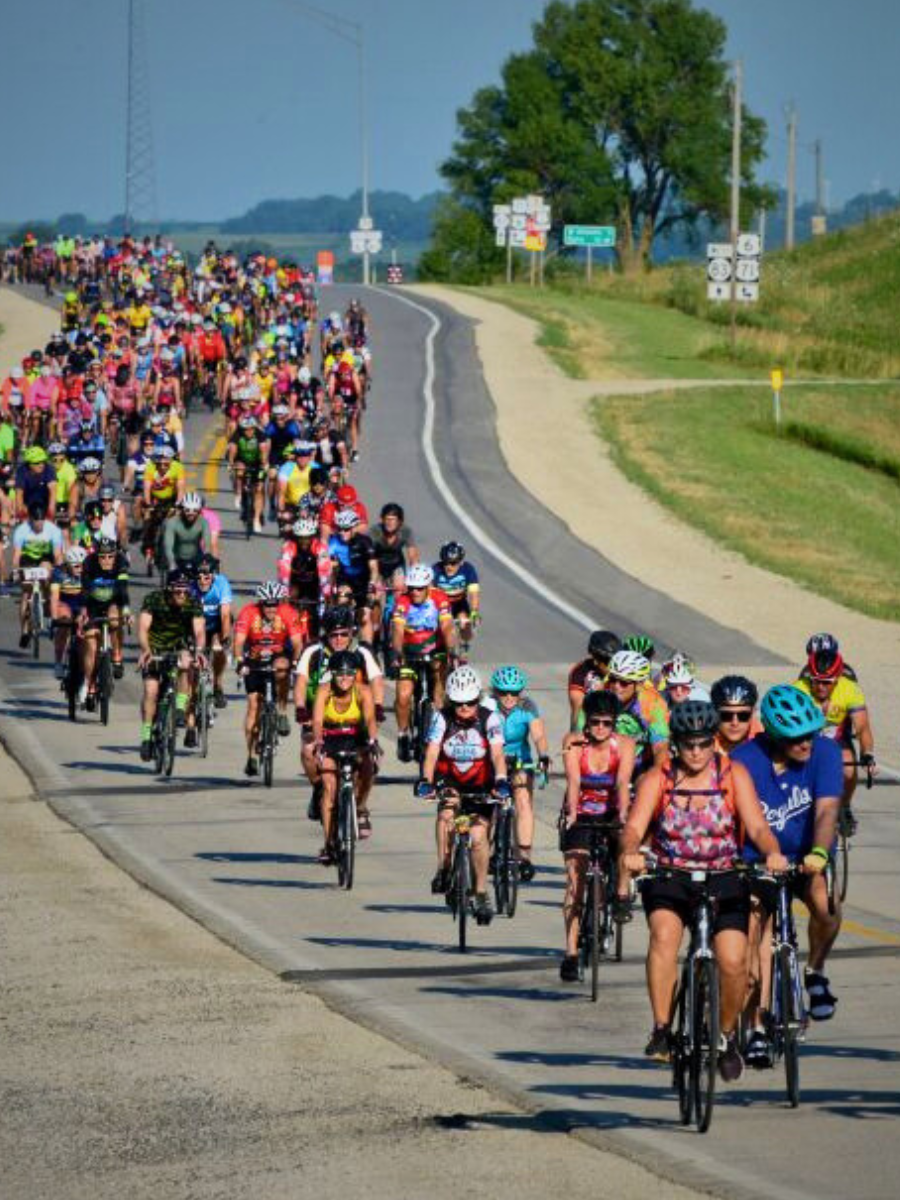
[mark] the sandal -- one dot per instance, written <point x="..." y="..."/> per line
<point x="326" y="856"/>
<point x="364" y="824"/>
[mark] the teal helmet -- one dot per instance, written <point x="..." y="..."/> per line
<point x="639" y="643"/>
<point x="787" y="712"/>
<point x="509" y="679"/>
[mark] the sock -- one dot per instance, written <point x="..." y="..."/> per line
<point x="181" y="699"/>
<point x="146" y="730"/>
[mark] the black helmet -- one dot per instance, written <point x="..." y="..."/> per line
<point x="107" y="545"/>
<point x="601" y="703"/>
<point x="822" y="641"/>
<point x="340" y="617"/>
<point x="692" y="717"/>
<point x="208" y="562"/>
<point x="345" y="662"/>
<point x="317" y="475"/>
<point x="37" y="512"/>
<point x="392" y="510"/>
<point x="93" y="508"/>
<point x="452" y="552"/>
<point x="177" y="578"/>
<point x="603" y="644"/>
<point x="734" y="689"/>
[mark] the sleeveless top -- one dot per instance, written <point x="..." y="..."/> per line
<point x="597" y="790"/>
<point x="342" y="723"/>
<point x="697" y="827"/>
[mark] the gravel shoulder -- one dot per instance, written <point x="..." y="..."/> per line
<point x="550" y="445"/>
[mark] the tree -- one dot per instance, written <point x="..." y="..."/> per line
<point x="621" y="112"/>
<point x="462" y="247"/>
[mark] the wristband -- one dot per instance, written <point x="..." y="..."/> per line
<point x="820" y="852"/>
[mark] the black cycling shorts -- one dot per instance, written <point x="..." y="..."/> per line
<point x="766" y="891"/>
<point x="678" y="895"/>
<point x="579" y="836"/>
<point x="255" y="679"/>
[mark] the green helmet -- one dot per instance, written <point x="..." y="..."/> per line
<point x="35" y="454"/>
<point x="71" y="297"/>
<point x="639" y="643"/>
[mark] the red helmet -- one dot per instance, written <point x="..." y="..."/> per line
<point x="825" y="665"/>
<point x="346" y="495"/>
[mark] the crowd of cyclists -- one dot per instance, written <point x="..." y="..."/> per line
<point x="681" y="779"/>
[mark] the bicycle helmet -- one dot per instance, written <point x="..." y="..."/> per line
<point x="37" y="512"/>
<point x="93" y="508"/>
<point x="603" y="644"/>
<point x="317" y="476"/>
<point x="339" y="617"/>
<point x="734" y="689"/>
<point x="692" y="718"/>
<point x="304" y="375"/>
<point x="347" y="518"/>
<point x="419" y="576"/>
<point x="89" y="466"/>
<point x="75" y="556"/>
<point x="55" y="449"/>
<point x="192" y="502"/>
<point x="822" y="641"/>
<point x="281" y="410"/>
<point x="678" y="672"/>
<point x="271" y="593"/>
<point x="825" y="665"/>
<point x="346" y="494"/>
<point x="392" y="510"/>
<point x="509" y="679"/>
<point x="35" y="454"/>
<point x="601" y="703"/>
<point x="164" y="452"/>
<point x="463" y="686"/>
<point x="107" y="545"/>
<point x="639" y="643"/>
<point x="452" y="552"/>
<point x="207" y="562"/>
<point x="305" y="527"/>
<point x="629" y="665"/>
<point x="179" y="579"/>
<point x="247" y="422"/>
<point x="344" y="662"/>
<point x="787" y="712"/>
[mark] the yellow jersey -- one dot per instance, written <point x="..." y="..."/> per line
<point x="163" y="488"/>
<point x="297" y="484"/>
<point x="846" y="699"/>
<point x="66" y="475"/>
<point x="348" y="720"/>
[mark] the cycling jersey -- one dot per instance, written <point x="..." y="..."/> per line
<point x="338" y="723"/>
<point x="264" y="638"/>
<point x="684" y="834"/>
<point x="279" y="438"/>
<point x="846" y="699"/>
<point x="218" y="593"/>
<point x="67" y="588"/>
<point x="173" y="624"/>
<point x="464" y="759"/>
<point x="66" y="475"/>
<point x="421" y="623"/>
<point x="102" y="587"/>
<point x="649" y="717"/>
<point x="455" y="583"/>
<point x="313" y="666"/>
<point x="597" y="789"/>
<point x="80" y="448"/>
<point x="391" y="555"/>
<point x="308" y="571"/>
<point x="37" y="547"/>
<point x="184" y="541"/>
<point x="516" y="724"/>
<point x="297" y="482"/>
<point x="352" y="557"/>
<point x="163" y="488"/>
<point x="35" y="485"/>
<point x="586" y="676"/>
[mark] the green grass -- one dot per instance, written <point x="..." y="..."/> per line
<point x="712" y="456"/>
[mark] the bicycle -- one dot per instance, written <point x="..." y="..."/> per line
<point x="506" y="860"/>
<point x="252" y="481"/>
<point x="460" y="890"/>
<point x="347" y="830"/>
<point x="786" y="1017"/>
<point x="598" y="931"/>
<point x="103" y="670"/>
<point x="204" y="710"/>
<point x="165" y="722"/>
<point x="71" y="680"/>
<point x="267" y="735"/>
<point x="34" y="578"/>
<point x="422" y="706"/>
<point x="846" y="828"/>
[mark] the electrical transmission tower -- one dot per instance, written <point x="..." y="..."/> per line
<point x="140" y="173"/>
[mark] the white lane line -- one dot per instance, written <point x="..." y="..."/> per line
<point x="481" y="536"/>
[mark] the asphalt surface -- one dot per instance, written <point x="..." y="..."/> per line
<point x="241" y="859"/>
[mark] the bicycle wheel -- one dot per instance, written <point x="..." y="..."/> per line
<point x="705" y="1041"/>
<point x="681" y="1075"/>
<point x="37" y="621"/>
<point x="501" y="854"/>
<point x="159" y="737"/>
<point x="204" y="702"/>
<point x="425" y="710"/>
<point x="267" y="735"/>
<point x="512" y="867"/>
<point x="842" y="860"/>
<point x="347" y="835"/>
<point x="595" y="904"/>
<point x="169" y="734"/>
<point x="461" y="881"/>
<point x="104" y="686"/>
<point x="784" y="968"/>
<point x="619" y="940"/>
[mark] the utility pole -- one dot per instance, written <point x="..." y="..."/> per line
<point x="735" y="189"/>
<point x="140" y="175"/>
<point x="791" y="178"/>
<point x="820" y="180"/>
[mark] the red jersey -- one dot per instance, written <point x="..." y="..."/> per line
<point x="265" y="638"/>
<point x="211" y="346"/>
<point x="329" y="509"/>
<point x="421" y="623"/>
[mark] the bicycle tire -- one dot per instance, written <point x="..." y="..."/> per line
<point x="461" y="880"/>
<point x="266" y="747"/>
<point x="842" y="864"/>
<point x="705" y="1041"/>
<point x="203" y="715"/>
<point x="501" y="850"/>
<point x="681" y="1075"/>
<point x="37" y="620"/>
<point x="104" y="686"/>
<point x="158" y="736"/>
<point x="512" y="868"/>
<point x="425" y="710"/>
<point x="595" y="902"/>
<point x="619" y="937"/>
<point x="784" y="966"/>
<point x="347" y="834"/>
<point x="169" y="734"/>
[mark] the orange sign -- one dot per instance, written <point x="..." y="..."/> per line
<point x="325" y="258"/>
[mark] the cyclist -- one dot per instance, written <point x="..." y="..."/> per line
<point x="66" y="485"/>
<point x="186" y="534"/>
<point x="694" y="806"/>
<point x="395" y="549"/>
<point x="355" y="565"/>
<point x="269" y="630"/>
<point x="304" y="566"/>
<point x="645" y="715"/>
<point x="464" y="754"/>
<point x="105" y="585"/>
<point x="247" y="455"/>
<point x="590" y="672"/>
<point x="314" y="501"/>
<point x="171" y="622"/>
<point x="422" y="625"/>
<point x="676" y="681"/>
<point x="522" y="724"/>
<point x="458" y="580"/>
<point x="215" y="596"/>
<point x="599" y="767"/>
<point x="66" y="603"/>
<point x="295" y="475"/>
<point x="36" y="484"/>
<point x="164" y="487"/>
<point x="134" y="480"/>
<point x="36" y="542"/>
<point x="280" y="433"/>
<point x="343" y="718"/>
<point x="114" y="522"/>
<point x="735" y="697"/>
<point x="843" y="705"/>
<point x="798" y="777"/>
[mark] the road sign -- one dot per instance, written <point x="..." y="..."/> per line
<point x="749" y="245"/>
<point x="535" y="241"/>
<point x="518" y="220"/>
<point x="363" y="240"/>
<point x="777" y="377"/>
<point x="394" y="273"/>
<point x="366" y="223"/>
<point x="589" y="235"/>
<point x="520" y="205"/>
<point x="516" y="237"/>
<point x="723" y="265"/>
<point x="719" y="250"/>
<point x="746" y="292"/>
<point x="718" y="270"/>
<point x="718" y="291"/>
<point x="746" y="270"/>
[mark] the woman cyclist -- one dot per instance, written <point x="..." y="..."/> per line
<point x="694" y="805"/>
<point x="599" y="767"/>
<point x="522" y="725"/>
<point x="343" y="718"/>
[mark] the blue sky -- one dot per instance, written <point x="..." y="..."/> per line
<point x="256" y="100"/>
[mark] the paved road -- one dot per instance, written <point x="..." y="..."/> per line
<point x="241" y="859"/>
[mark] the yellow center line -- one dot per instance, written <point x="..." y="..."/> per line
<point x="211" y="470"/>
<point x="884" y="936"/>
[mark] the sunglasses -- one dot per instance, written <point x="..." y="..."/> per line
<point x="726" y="716"/>
<point x="615" y="681"/>
<point x="798" y="741"/>
<point x="339" y="633"/>
<point x="465" y="703"/>
<point x="696" y="744"/>
<point x="601" y="721"/>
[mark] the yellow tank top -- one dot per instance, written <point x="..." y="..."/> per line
<point x="336" y="721"/>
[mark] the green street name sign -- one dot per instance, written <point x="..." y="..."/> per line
<point x="589" y="235"/>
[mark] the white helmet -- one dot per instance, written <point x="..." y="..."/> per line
<point x="75" y="555"/>
<point x="625" y="664"/>
<point x="304" y="374"/>
<point x="305" y="527"/>
<point x="463" y="685"/>
<point x="347" y="518"/>
<point x="419" y="576"/>
<point x="192" y="502"/>
<point x="676" y="673"/>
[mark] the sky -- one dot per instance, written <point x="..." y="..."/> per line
<point x="250" y="101"/>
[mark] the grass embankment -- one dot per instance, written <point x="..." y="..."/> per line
<point x="829" y="518"/>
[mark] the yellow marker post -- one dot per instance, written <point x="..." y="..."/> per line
<point x="777" y="377"/>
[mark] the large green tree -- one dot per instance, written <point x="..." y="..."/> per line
<point x="621" y="112"/>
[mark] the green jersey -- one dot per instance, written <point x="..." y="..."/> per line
<point x="249" y="449"/>
<point x="173" y="624"/>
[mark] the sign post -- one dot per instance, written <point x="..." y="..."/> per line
<point x="777" y="378"/>
<point x="590" y="236"/>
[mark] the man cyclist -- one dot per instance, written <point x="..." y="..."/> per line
<point x="267" y="632"/>
<point x="171" y="622"/>
<point x="590" y="673"/>
<point x="458" y="580"/>
<point x="280" y="433"/>
<point x="105" y="588"/>
<point x="422" y="626"/>
<point x="36" y="484"/>
<point x="216" y="597"/>
<point x="304" y="566"/>
<point x="186" y="533"/>
<point x="464" y="755"/>
<point x="355" y="565"/>
<point x="36" y="543"/>
<point x="66" y="603"/>
<point x="395" y="549"/>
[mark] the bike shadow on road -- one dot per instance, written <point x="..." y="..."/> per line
<point x="552" y="1120"/>
<point x="303" y="885"/>
<point x="564" y="1059"/>
<point x="253" y="856"/>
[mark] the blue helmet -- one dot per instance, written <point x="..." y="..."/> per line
<point x="787" y="712"/>
<point x="509" y="679"/>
